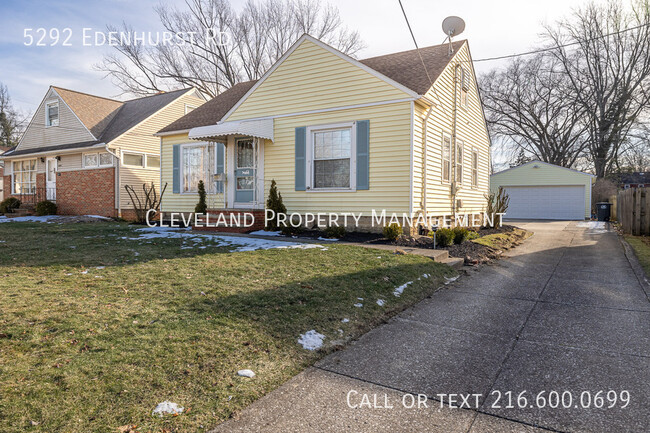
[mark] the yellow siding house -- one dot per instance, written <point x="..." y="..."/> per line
<point x="338" y="135"/>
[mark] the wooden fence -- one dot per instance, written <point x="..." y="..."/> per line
<point x="633" y="211"/>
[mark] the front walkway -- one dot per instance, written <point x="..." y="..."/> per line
<point x="564" y="312"/>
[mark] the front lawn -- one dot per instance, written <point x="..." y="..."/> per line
<point x="99" y="324"/>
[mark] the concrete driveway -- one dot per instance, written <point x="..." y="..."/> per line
<point x="565" y="312"/>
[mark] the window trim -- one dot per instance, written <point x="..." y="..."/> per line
<point x="99" y="164"/>
<point x="460" y="162"/>
<point x="181" y="168"/>
<point x="13" y="175"/>
<point x="48" y="104"/>
<point x="192" y="108"/>
<point x="472" y="169"/>
<point x="309" y="151"/>
<point x="442" y="157"/>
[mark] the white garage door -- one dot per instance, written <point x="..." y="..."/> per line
<point x="546" y="202"/>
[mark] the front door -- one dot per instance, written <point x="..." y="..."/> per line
<point x="245" y="167"/>
<point x="50" y="180"/>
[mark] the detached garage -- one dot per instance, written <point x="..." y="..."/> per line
<point x="539" y="190"/>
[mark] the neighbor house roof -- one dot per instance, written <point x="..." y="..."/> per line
<point x="95" y="112"/>
<point x="404" y="68"/>
<point x="212" y="111"/>
<point x="635" y="178"/>
<point x="105" y="118"/>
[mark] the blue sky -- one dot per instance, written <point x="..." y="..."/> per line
<point x="494" y="27"/>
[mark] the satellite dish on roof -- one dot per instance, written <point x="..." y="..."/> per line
<point x="453" y="26"/>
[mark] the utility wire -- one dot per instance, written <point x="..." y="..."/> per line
<point x="415" y="42"/>
<point x="570" y="44"/>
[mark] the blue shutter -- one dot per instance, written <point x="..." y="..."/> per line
<point x="363" y="154"/>
<point x="221" y="152"/>
<point x="176" y="170"/>
<point x="301" y="160"/>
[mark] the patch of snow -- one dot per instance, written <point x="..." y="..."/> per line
<point x="345" y="320"/>
<point x="99" y="217"/>
<point x="31" y="219"/>
<point x="327" y="239"/>
<point x="84" y="272"/>
<point x="167" y="407"/>
<point x="381" y="302"/>
<point x="341" y="331"/>
<point x="246" y="373"/>
<point x="593" y="226"/>
<point x="238" y="243"/>
<point x="100" y="267"/>
<point x="265" y="233"/>
<point x="451" y="280"/>
<point x="311" y="340"/>
<point x="425" y="275"/>
<point x="399" y="290"/>
<point x="361" y="299"/>
<point x="358" y="305"/>
<point x="73" y="246"/>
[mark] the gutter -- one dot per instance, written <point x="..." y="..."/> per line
<point x="54" y="152"/>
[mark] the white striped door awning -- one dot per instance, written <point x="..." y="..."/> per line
<point x="253" y="128"/>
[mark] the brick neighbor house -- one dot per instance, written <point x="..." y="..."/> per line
<point x="80" y="150"/>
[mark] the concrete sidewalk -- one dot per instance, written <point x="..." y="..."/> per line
<point x="565" y="311"/>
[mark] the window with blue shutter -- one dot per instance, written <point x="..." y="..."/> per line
<point x="176" y="169"/>
<point x="301" y="159"/>
<point x="363" y="154"/>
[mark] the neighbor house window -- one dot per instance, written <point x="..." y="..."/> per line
<point x="446" y="157"/>
<point x="193" y="166"/>
<point x="459" y="160"/>
<point x="52" y="113"/>
<point x="24" y="177"/>
<point x="102" y="159"/>
<point x="331" y="158"/>
<point x="153" y="161"/>
<point x="474" y="168"/>
<point x="133" y="159"/>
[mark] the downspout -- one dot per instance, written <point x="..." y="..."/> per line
<point x="118" y="203"/>
<point x="454" y="184"/>
<point x="425" y="164"/>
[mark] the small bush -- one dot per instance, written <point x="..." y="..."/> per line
<point x="392" y="231"/>
<point x="334" y="232"/>
<point x="460" y="234"/>
<point x="472" y="234"/>
<point x="9" y="204"/>
<point x="201" y="207"/>
<point x="45" y="207"/>
<point x="274" y="203"/>
<point x="444" y="237"/>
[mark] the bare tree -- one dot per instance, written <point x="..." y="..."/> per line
<point x="11" y="122"/>
<point x="604" y="50"/>
<point x="531" y="108"/>
<point x="220" y="46"/>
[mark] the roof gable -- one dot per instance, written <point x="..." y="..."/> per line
<point x="406" y="67"/>
<point x="95" y="112"/>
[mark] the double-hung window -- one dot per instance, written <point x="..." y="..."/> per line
<point x="446" y="157"/>
<point x="193" y="166"/>
<point x="52" y="113"/>
<point x="24" y="177"/>
<point x="332" y="157"/>
<point x="474" y="168"/>
<point x="460" y="146"/>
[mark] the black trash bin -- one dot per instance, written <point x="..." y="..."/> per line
<point x="604" y="211"/>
